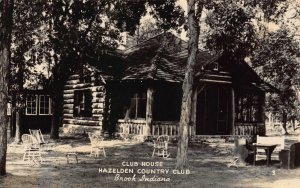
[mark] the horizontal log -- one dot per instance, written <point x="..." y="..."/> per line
<point x="82" y="122"/>
<point x="97" y="100"/>
<point x="98" y="116"/>
<point x="83" y="125"/>
<point x="69" y="101"/>
<point x="74" y="76"/>
<point x="98" y="105"/>
<point x="97" y="111"/>
<point x="70" y="91"/>
<point x="77" y="86"/>
<point x="97" y="94"/>
<point x="86" y="118"/>
<point x="72" y="82"/>
<point x="68" y="111"/>
<point x="98" y="88"/>
<point x="68" y="115"/>
<point x="68" y="106"/>
<point x="68" y="96"/>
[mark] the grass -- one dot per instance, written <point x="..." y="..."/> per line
<point x="207" y="168"/>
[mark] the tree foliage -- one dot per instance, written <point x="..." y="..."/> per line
<point x="276" y="61"/>
<point x="233" y="24"/>
<point x="231" y="29"/>
<point x="127" y="14"/>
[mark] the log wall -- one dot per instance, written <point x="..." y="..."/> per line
<point x="98" y="92"/>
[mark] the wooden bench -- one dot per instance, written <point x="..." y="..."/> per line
<point x="285" y="150"/>
<point x="267" y="147"/>
<point x="269" y="140"/>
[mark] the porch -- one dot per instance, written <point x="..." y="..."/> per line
<point x="171" y="128"/>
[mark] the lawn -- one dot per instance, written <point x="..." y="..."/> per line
<point x="207" y="168"/>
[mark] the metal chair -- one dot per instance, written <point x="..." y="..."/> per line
<point x="160" y="146"/>
<point x="96" y="145"/>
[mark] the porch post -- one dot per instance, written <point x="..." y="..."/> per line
<point x="149" y="110"/>
<point x="232" y="131"/>
<point x="262" y="130"/>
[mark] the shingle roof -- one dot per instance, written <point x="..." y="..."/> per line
<point x="171" y="66"/>
<point x="136" y="64"/>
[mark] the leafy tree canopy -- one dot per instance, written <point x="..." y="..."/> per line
<point x="233" y="24"/>
<point x="276" y="61"/>
<point x="25" y="33"/>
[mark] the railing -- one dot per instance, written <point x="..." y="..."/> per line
<point x="135" y="127"/>
<point x="165" y="128"/>
<point x="249" y="128"/>
<point x="171" y="128"/>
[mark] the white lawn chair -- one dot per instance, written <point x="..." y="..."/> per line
<point x="32" y="152"/>
<point x="160" y="146"/>
<point x="37" y="136"/>
<point x="96" y="145"/>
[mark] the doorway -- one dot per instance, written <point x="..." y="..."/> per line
<point x="213" y="110"/>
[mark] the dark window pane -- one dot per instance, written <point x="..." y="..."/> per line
<point x="82" y="103"/>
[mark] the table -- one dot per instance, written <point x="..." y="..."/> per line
<point x="269" y="148"/>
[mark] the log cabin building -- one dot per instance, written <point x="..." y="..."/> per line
<point x="140" y="93"/>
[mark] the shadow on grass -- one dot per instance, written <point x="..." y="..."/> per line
<point x="207" y="166"/>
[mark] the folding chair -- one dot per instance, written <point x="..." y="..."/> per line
<point x="32" y="152"/>
<point x="161" y="146"/>
<point x="96" y="145"/>
<point x="37" y="136"/>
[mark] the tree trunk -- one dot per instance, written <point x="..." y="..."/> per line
<point x="19" y="101"/>
<point x="55" y="118"/>
<point x="6" y="8"/>
<point x="284" y="122"/>
<point x="4" y="64"/>
<point x="186" y="108"/>
<point x="18" y="125"/>
<point x="294" y="123"/>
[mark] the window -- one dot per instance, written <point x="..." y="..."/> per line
<point x="137" y="108"/>
<point x="82" y="103"/>
<point x="167" y="103"/>
<point x="247" y="108"/>
<point x="31" y="105"/>
<point x="44" y="105"/>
